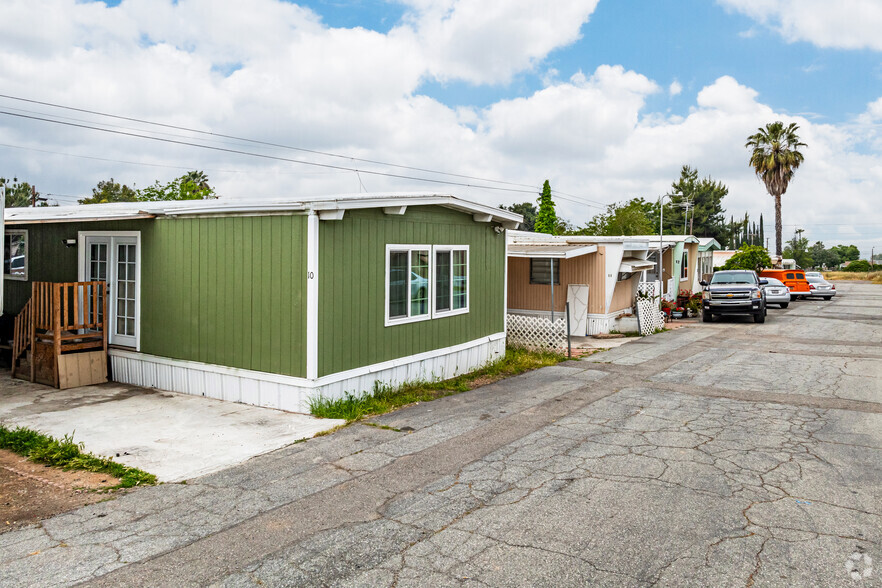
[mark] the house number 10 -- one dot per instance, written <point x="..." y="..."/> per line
<point x="310" y="275"/>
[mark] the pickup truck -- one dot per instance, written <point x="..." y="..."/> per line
<point x="733" y="292"/>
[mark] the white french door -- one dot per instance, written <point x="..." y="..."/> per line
<point x="114" y="258"/>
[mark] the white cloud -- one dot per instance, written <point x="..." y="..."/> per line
<point x="488" y="41"/>
<point x="844" y="24"/>
<point x="277" y="73"/>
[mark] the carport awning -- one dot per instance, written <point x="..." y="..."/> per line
<point x="550" y="251"/>
<point x="632" y="264"/>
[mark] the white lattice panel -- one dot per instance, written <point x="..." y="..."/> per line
<point x="649" y="317"/>
<point x="537" y="333"/>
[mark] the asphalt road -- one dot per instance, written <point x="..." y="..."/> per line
<point x="730" y="454"/>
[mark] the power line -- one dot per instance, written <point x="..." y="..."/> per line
<point x="258" y="142"/>
<point x="279" y="158"/>
<point x="561" y="195"/>
<point x="261" y="155"/>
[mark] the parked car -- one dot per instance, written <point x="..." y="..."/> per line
<point x="733" y="292"/>
<point x="813" y="275"/>
<point x="776" y="292"/>
<point x="821" y="287"/>
<point x="793" y="279"/>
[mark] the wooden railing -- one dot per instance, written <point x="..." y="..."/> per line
<point x="22" y="335"/>
<point x="67" y="316"/>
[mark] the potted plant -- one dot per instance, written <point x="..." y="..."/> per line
<point x="678" y="312"/>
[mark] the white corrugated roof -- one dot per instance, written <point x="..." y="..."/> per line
<point x="545" y="251"/>
<point x="231" y="206"/>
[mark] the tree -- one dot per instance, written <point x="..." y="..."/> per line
<point x="18" y="194"/>
<point x="775" y="156"/>
<point x="111" y="191"/>
<point x="846" y="252"/>
<point x="798" y="250"/>
<point x="186" y="187"/>
<point x="546" y="218"/>
<point x="823" y="257"/>
<point x="526" y="210"/>
<point x="705" y="196"/>
<point x="633" y="217"/>
<point x="749" y="257"/>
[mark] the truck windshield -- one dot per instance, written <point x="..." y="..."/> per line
<point x="739" y="278"/>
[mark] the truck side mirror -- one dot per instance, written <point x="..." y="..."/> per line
<point x="702" y="283"/>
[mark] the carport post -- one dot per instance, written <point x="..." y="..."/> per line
<point x="551" y="263"/>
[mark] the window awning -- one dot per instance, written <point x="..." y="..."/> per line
<point x="632" y="264"/>
<point x="564" y="251"/>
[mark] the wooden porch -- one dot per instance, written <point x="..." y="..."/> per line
<point x="61" y="334"/>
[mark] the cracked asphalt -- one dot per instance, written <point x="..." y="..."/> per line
<point x="730" y="454"/>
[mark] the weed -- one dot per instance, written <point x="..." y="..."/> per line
<point x="67" y="455"/>
<point x="385" y="427"/>
<point x="385" y="398"/>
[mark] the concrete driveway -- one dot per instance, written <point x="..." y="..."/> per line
<point x="174" y="436"/>
<point x="729" y="454"/>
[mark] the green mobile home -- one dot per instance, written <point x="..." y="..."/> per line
<point x="273" y="302"/>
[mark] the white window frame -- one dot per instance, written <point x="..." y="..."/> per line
<point x="111" y="303"/>
<point x="429" y="289"/>
<point x="24" y="233"/>
<point x="433" y="311"/>
<point x="452" y="312"/>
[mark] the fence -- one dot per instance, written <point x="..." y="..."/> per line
<point x="649" y="317"/>
<point x="538" y="333"/>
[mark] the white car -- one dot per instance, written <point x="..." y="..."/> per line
<point x="820" y="287"/>
<point x="776" y="292"/>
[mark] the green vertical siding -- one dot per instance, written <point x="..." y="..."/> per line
<point x="222" y="290"/>
<point x="352" y="267"/>
<point x="49" y="260"/>
<point x="227" y="291"/>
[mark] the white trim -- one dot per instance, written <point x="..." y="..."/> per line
<point x="331" y="215"/>
<point x="13" y="232"/>
<point x="397" y="210"/>
<point x="312" y="294"/>
<point x="111" y="271"/>
<point x="124" y="210"/>
<point x="551" y="253"/>
<point x="505" y="287"/>
<point x="293" y="393"/>
<point x="482" y="218"/>
<point x="434" y="298"/>
<point x="390" y="321"/>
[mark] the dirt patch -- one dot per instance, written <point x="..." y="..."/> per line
<point x="30" y="492"/>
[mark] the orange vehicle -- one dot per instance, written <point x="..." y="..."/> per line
<point x="793" y="279"/>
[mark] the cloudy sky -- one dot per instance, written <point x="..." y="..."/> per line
<point x="605" y="98"/>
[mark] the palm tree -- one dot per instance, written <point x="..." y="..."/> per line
<point x="199" y="179"/>
<point x="774" y="157"/>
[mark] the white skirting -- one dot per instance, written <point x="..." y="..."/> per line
<point x="604" y="323"/>
<point x="290" y="393"/>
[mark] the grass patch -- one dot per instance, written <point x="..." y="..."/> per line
<point x="67" y="455"/>
<point x="874" y="277"/>
<point x="383" y="398"/>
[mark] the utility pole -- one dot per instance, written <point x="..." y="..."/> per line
<point x="34" y="197"/>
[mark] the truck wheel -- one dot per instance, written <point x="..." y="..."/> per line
<point x="706" y="316"/>
<point x="759" y="317"/>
